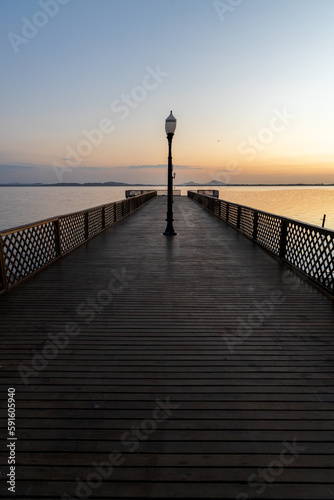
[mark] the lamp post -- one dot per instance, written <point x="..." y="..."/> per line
<point x="170" y="129"/>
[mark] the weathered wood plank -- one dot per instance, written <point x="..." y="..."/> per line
<point x="174" y="460"/>
<point x="162" y="490"/>
<point x="202" y="473"/>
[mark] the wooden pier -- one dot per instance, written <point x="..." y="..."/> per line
<point x="145" y="366"/>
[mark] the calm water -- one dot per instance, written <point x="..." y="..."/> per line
<point x="22" y="205"/>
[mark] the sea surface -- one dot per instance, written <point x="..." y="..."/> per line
<point x="23" y="205"/>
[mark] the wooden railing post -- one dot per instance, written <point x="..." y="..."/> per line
<point x="255" y="225"/>
<point x="227" y="211"/>
<point x="103" y="214"/>
<point x="283" y="238"/>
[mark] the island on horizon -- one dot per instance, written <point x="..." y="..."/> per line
<point x="185" y="184"/>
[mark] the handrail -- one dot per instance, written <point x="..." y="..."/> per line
<point x="27" y="249"/>
<point x="306" y="247"/>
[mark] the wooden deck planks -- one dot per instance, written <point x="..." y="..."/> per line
<point x="239" y="349"/>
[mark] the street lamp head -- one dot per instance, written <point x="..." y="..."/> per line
<point x="170" y="124"/>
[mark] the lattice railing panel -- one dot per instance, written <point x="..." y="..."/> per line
<point x="133" y="204"/>
<point x="118" y="208"/>
<point x="27" y="250"/>
<point x="215" y="207"/>
<point x="72" y="230"/>
<point x="94" y="221"/>
<point x="269" y="232"/>
<point x="311" y="251"/>
<point x="109" y="214"/>
<point x="233" y="214"/>
<point x="126" y="208"/>
<point x="223" y="209"/>
<point x="247" y="221"/>
<point x="2" y="269"/>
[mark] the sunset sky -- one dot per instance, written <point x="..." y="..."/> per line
<point x="86" y="86"/>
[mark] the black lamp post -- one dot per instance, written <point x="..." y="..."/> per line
<point x="170" y="129"/>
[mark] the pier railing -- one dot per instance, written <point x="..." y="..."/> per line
<point x="307" y="248"/>
<point x="26" y="250"/>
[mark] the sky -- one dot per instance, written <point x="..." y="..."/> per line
<point x="86" y="86"/>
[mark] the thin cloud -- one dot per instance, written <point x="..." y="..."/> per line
<point x="93" y="168"/>
<point x="178" y="167"/>
<point x="225" y="170"/>
<point x="18" y="166"/>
